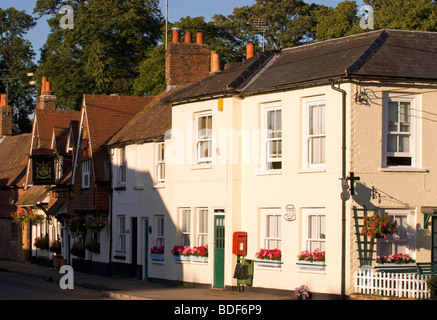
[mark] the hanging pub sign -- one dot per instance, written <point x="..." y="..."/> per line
<point x="43" y="166"/>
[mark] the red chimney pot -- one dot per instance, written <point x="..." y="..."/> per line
<point x="250" y="50"/>
<point x="176" y="34"/>
<point x="199" y="38"/>
<point x="188" y="37"/>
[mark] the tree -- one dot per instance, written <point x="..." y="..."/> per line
<point x="419" y="15"/>
<point x="16" y="56"/>
<point x="151" y="79"/>
<point x="103" y="51"/>
<point x="338" y="22"/>
<point x="288" y="22"/>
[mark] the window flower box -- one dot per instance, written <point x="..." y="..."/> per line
<point x="157" y="253"/>
<point x="157" y="256"/>
<point x="181" y="253"/>
<point x="198" y="259"/>
<point x="270" y="264"/>
<point x="311" y="266"/>
<point x="199" y="254"/>
<point x="269" y="258"/>
<point x="311" y="261"/>
<point x="401" y="263"/>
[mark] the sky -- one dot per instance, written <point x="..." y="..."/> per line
<point x="176" y="10"/>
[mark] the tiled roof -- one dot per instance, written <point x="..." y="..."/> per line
<point x="33" y="195"/>
<point x="106" y="115"/>
<point x="14" y="152"/>
<point x="150" y="123"/>
<point x="46" y="120"/>
<point x="388" y="54"/>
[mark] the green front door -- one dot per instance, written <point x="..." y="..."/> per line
<point x="219" y="251"/>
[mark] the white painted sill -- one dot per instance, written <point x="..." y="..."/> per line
<point x="311" y="170"/>
<point x="269" y="173"/>
<point x="403" y="169"/>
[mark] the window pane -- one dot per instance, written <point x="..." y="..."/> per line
<point x="404" y="143"/>
<point x="186" y="221"/>
<point x="205" y="149"/>
<point x="312" y="227"/>
<point x="313" y="120"/>
<point x="392" y="143"/>
<point x="203" y="221"/>
<point x="322" y="232"/>
<point x="271" y="124"/>
<point x="322" y="119"/>
<point x="404" y="116"/>
<point x="317" y="150"/>
<point x="393" y="116"/>
<point x="278" y="123"/>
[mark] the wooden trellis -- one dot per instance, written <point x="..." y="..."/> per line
<point x="365" y="244"/>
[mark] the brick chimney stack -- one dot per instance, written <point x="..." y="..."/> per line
<point x="47" y="100"/>
<point x="5" y="117"/>
<point x="187" y="62"/>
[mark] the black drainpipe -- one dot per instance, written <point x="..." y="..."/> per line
<point x="343" y="178"/>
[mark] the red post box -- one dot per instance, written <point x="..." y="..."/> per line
<point x="239" y="244"/>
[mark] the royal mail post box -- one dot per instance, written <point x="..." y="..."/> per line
<point x="239" y="246"/>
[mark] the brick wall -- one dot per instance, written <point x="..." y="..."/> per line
<point x="187" y="63"/>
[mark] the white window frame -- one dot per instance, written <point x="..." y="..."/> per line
<point x="203" y="137"/>
<point x="312" y="243"/>
<point x="405" y="235"/>
<point x="59" y="165"/>
<point x="159" y="240"/>
<point x="309" y="138"/>
<point x="202" y="226"/>
<point x="271" y="237"/>
<point x="86" y="176"/>
<point x="121" y="233"/>
<point x="414" y="151"/>
<point x="185" y="223"/>
<point x="122" y="166"/>
<point x="160" y="164"/>
<point x="267" y="139"/>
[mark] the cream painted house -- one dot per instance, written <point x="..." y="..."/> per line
<point x="290" y="147"/>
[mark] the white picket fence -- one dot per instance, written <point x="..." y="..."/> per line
<point x="406" y="285"/>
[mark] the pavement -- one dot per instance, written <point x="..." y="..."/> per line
<point x="133" y="289"/>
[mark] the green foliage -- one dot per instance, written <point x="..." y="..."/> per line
<point x="289" y="22"/>
<point x="103" y="52"/>
<point x="16" y="56"/>
<point x="151" y="80"/>
<point x="420" y="15"/>
<point x="338" y="22"/>
<point x="406" y="15"/>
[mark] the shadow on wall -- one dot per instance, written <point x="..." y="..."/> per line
<point x="363" y="195"/>
<point x="142" y="225"/>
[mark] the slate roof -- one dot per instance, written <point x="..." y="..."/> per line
<point x="106" y="115"/>
<point x="382" y="54"/>
<point x="14" y="151"/>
